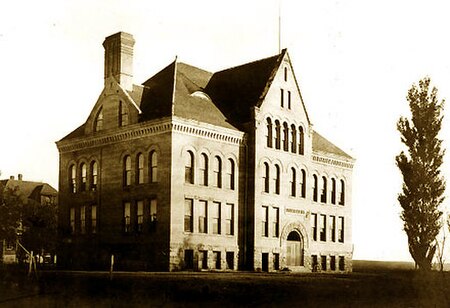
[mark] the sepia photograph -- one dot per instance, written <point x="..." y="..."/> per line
<point x="272" y="153"/>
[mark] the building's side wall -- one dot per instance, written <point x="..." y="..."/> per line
<point x="133" y="249"/>
<point x="211" y="141"/>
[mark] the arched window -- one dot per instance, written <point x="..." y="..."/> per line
<point x="127" y="170"/>
<point x="342" y="194"/>
<point x="204" y="169"/>
<point x="282" y="98"/>
<point x="98" y="124"/>
<point x="217" y="169"/>
<point x="333" y="191"/>
<point x="323" y="196"/>
<point x="303" y="184"/>
<point x="230" y="173"/>
<point x="293" y="139"/>
<point x="266" y="177"/>
<point x="83" y="176"/>
<point x="277" y="135"/>
<point x="315" y="188"/>
<point x="73" y="179"/>
<point x="123" y="114"/>
<point x="301" y="141"/>
<point x="189" y="168"/>
<point x="293" y="182"/>
<point x="269" y="133"/>
<point x="94" y="175"/>
<point x="285" y="137"/>
<point x="285" y="74"/>
<point x="153" y="167"/>
<point x="140" y="168"/>
<point x="277" y="179"/>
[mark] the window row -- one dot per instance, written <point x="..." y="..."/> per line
<point x="270" y="221"/>
<point x="213" y="177"/>
<point x="83" y="220"/>
<point x="122" y="116"/>
<point x="333" y="231"/>
<point x="140" y="216"/>
<point x="204" y="262"/>
<point x="323" y="263"/>
<point x="289" y="137"/>
<point x="298" y="180"/>
<point x="82" y="178"/>
<point x="206" y="217"/>
<point x="139" y="168"/>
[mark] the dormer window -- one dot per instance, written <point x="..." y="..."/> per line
<point x="123" y="114"/>
<point x="98" y="125"/>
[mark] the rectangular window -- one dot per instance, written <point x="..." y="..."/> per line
<point x="230" y="260"/>
<point x="94" y="219"/>
<point x="188" y="211"/>
<point x="203" y="259"/>
<point x="333" y="263"/>
<point x="72" y="220"/>
<point x="202" y="216"/>
<point x="282" y="98"/>
<point x="341" y="263"/>
<point x="140" y="215"/>
<point x="83" y="220"/>
<point x="229" y="219"/>
<point x="215" y="214"/>
<point x="323" y="228"/>
<point x="289" y="99"/>
<point x="276" y="222"/>
<point x="314" y="226"/>
<point x="276" y="261"/>
<point x="217" y="260"/>
<point x="265" y="221"/>
<point x="127" y="217"/>
<point x="333" y="228"/>
<point x="153" y="214"/>
<point x="314" y="263"/>
<point x="323" y="263"/>
<point x="341" y="229"/>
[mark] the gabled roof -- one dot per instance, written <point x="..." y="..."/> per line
<point x="236" y="90"/>
<point x="321" y="144"/>
<point x="29" y="189"/>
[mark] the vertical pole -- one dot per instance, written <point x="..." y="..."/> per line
<point x="279" y="26"/>
<point x="111" y="268"/>
<point x="30" y="263"/>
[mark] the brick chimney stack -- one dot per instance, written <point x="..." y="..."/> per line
<point x="119" y="59"/>
<point x="19" y="177"/>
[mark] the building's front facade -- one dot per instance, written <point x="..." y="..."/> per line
<point x="194" y="170"/>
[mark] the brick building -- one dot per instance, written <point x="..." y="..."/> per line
<point x="200" y="170"/>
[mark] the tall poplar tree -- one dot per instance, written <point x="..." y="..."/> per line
<point x="423" y="184"/>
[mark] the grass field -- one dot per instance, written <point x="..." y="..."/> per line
<point x="370" y="285"/>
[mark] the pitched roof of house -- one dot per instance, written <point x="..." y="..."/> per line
<point x="321" y="144"/>
<point x="29" y="189"/>
<point x="238" y="89"/>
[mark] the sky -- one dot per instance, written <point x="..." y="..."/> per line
<point x="354" y="61"/>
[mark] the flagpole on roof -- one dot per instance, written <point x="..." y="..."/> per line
<point x="279" y="26"/>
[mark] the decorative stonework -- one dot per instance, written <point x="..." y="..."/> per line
<point x="330" y="161"/>
<point x="198" y="131"/>
<point x="295" y="226"/>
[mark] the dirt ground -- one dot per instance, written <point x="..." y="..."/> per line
<point x="405" y="288"/>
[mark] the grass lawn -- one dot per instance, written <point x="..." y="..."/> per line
<point x="362" y="288"/>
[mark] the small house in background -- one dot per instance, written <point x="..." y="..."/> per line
<point x="40" y="192"/>
<point x="193" y="170"/>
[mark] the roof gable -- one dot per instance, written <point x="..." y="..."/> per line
<point x="321" y="144"/>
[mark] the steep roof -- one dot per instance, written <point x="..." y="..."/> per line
<point x="238" y="89"/>
<point x="321" y="144"/>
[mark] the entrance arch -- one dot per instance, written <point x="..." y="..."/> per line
<point x="294" y="249"/>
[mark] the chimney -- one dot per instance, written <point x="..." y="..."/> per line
<point x="11" y="177"/>
<point x="19" y="177"/>
<point x="119" y="59"/>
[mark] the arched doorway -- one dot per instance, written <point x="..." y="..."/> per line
<point x="294" y="249"/>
